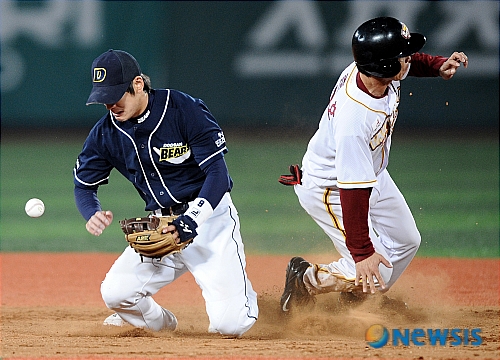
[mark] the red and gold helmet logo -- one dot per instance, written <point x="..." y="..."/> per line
<point x="405" y="32"/>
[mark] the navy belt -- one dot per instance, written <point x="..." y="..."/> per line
<point x="177" y="209"/>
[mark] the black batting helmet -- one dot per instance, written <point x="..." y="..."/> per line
<point x="378" y="44"/>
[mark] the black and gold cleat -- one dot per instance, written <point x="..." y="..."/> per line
<point x="295" y="292"/>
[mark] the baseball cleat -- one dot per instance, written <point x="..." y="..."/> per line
<point x="169" y="320"/>
<point x="295" y="292"/>
<point x="114" y="320"/>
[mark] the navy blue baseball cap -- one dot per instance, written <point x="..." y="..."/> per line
<point x="112" y="73"/>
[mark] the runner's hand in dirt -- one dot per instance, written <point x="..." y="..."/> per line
<point x="367" y="270"/>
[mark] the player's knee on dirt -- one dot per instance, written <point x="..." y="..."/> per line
<point x="227" y="325"/>
<point x="233" y="319"/>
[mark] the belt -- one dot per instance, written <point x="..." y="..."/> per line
<point x="177" y="209"/>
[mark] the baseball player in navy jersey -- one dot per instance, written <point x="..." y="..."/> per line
<point x="170" y="147"/>
<point x="343" y="183"/>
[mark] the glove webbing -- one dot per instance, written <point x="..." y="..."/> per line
<point x="294" y="179"/>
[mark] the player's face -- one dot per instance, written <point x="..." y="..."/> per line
<point x="130" y="106"/>
<point x="126" y="108"/>
<point x="405" y="67"/>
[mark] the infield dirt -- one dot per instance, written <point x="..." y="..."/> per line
<point x="52" y="309"/>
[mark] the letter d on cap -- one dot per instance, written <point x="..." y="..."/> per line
<point x="99" y="74"/>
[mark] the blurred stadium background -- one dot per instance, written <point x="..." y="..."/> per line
<point x="265" y="69"/>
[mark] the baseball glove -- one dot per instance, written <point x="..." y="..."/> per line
<point x="295" y="177"/>
<point x="144" y="234"/>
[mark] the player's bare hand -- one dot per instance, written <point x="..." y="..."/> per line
<point x="172" y="229"/>
<point x="367" y="271"/>
<point x="98" y="222"/>
<point x="450" y="66"/>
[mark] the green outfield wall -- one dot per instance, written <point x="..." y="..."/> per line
<point x="254" y="63"/>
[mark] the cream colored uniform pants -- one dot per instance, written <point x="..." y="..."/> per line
<point x="393" y="233"/>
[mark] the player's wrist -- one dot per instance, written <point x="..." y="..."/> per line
<point x="199" y="211"/>
<point x="359" y="255"/>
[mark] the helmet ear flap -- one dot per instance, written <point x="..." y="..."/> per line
<point x="385" y="68"/>
<point x="390" y="67"/>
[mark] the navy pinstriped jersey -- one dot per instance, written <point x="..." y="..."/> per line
<point x="163" y="153"/>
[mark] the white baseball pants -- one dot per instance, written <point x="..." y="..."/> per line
<point x="216" y="259"/>
<point x="393" y="233"/>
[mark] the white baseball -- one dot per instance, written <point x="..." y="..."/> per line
<point x="34" y="208"/>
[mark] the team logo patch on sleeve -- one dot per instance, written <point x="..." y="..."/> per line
<point x="221" y="140"/>
<point x="173" y="153"/>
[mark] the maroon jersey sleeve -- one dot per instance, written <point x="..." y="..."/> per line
<point x="355" y="204"/>
<point x="424" y="65"/>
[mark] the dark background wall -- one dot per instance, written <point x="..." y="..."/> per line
<point x="254" y="63"/>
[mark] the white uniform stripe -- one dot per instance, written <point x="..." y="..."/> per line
<point x="150" y="147"/>
<point x="138" y="158"/>
<point x="86" y="183"/>
<point x="211" y="156"/>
